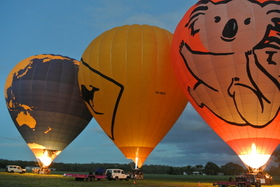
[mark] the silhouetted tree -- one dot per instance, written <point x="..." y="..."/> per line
<point x="187" y="169"/>
<point x="232" y="168"/>
<point x="211" y="168"/>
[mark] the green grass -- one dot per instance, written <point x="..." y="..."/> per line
<point x="57" y="180"/>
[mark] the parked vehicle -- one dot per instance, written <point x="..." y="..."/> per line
<point x="248" y="179"/>
<point x="116" y="174"/>
<point x="14" y="169"/>
<point x="99" y="174"/>
<point x="88" y="177"/>
<point x="110" y="174"/>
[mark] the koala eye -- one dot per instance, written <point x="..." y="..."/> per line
<point x="217" y="19"/>
<point x="247" y="21"/>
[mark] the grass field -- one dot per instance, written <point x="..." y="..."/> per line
<point x="57" y="180"/>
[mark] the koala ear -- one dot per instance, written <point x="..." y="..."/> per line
<point x="270" y="18"/>
<point x="274" y="14"/>
<point x="271" y="10"/>
<point x="192" y="27"/>
<point x="196" y="17"/>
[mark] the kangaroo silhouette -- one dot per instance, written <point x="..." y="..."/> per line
<point x="88" y="96"/>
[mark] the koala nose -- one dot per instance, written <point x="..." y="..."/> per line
<point x="230" y="29"/>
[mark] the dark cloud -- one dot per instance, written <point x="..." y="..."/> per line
<point x="192" y="142"/>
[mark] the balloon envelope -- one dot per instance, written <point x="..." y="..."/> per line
<point x="226" y="56"/>
<point x="44" y="101"/>
<point x="128" y="83"/>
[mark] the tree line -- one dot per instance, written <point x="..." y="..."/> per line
<point x="209" y="169"/>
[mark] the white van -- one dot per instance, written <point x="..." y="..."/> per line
<point x="116" y="174"/>
<point x="15" y="169"/>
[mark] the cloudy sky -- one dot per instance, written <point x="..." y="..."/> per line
<point x="34" y="27"/>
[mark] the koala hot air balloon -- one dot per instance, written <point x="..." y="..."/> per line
<point x="226" y="54"/>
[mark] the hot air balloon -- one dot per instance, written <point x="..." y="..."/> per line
<point x="226" y="56"/>
<point x="45" y="104"/>
<point x="128" y="83"/>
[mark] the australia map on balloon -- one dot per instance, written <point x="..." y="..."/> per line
<point x="16" y="106"/>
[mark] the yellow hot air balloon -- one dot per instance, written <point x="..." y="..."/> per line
<point x="227" y="54"/>
<point x="126" y="79"/>
<point x="44" y="101"/>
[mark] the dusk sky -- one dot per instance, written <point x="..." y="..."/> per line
<point x="34" y="27"/>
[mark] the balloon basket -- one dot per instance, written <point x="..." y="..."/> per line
<point x="41" y="170"/>
<point x="44" y="171"/>
<point x="255" y="170"/>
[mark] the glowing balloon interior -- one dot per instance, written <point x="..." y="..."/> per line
<point x="226" y="56"/>
<point x="128" y="83"/>
<point x="44" y="101"/>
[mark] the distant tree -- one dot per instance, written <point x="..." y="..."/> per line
<point x="199" y="166"/>
<point x="232" y="168"/>
<point x="171" y="171"/>
<point x="211" y="168"/>
<point x="174" y="171"/>
<point x="3" y="163"/>
<point x="23" y="164"/>
<point x="187" y="169"/>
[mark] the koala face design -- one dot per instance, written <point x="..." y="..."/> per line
<point x="231" y="51"/>
<point x="226" y="26"/>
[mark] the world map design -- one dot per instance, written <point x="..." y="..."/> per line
<point x="44" y="101"/>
